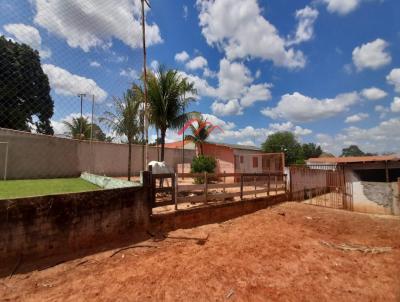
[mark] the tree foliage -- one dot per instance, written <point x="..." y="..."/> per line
<point x="200" y="133"/>
<point x="354" y="150"/>
<point x="125" y="120"/>
<point x="202" y="164"/>
<point x="167" y="96"/>
<point x="81" y="128"/>
<point x="25" y="101"/>
<point x="295" y="153"/>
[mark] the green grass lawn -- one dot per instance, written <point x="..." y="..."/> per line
<point x="37" y="187"/>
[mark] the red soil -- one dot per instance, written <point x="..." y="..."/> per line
<point x="272" y="255"/>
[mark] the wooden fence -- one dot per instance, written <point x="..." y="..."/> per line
<point x="204" y="187"/>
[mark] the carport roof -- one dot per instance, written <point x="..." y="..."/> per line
<point x="353" y="159"/>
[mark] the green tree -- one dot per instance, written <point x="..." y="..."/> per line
<point x="284" y="141"/>
<point x="352" y="150"/>
<point x="24" y="89"/>
<point x="79" y="124"/>
<point x="125" y="120"/>
<point x="311" y="150"/>
<point x="200" y="133"/>
<point x="166" y="91"/>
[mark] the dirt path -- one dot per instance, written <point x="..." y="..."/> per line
<point x="272" y="255"/>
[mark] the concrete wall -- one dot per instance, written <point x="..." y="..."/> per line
<point x="274" y="162"/>
<point x="374" y="197"/>
<point x="42" y="156"/>
<point x="40" y="227"/>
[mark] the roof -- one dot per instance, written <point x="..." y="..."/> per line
<point x="189" y="145"/>
<point x="353" y="159"/>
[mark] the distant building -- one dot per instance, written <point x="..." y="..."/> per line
<point x="238" y="158"/>
<point x="374" y="180"/>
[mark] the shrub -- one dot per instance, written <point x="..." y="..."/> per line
<point x="202" y="164"/>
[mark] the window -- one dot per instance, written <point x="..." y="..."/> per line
<point x="241" y="159"/>
<point x="266" y="163"/>
<point x="255" y="162"/>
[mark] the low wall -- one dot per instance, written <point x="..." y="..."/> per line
<point x="40" y="227"/>
<point x="42" y="156"/>
<point x="211" y="213"/>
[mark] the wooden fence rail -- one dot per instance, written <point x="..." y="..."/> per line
<point x="205" y="188"/>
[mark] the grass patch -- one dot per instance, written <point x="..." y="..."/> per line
<point x="10" y="189"/>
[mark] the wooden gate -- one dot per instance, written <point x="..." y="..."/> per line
<point x="323" y="185"/>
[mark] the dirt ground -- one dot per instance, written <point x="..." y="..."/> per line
<point x="290" y="252"/>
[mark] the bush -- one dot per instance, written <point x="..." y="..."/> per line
<point x="203" y="164"/>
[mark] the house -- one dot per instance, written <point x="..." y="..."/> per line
<point x="238" y="158"/>
<point x="374" y="180"/>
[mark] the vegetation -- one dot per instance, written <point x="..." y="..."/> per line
<point x="25" y="102"/>
<point x="295" y="153"/>
<point x="80" y="128"/>
<point x="200" y="133"/>
<point x="354" y="150"/>
<point x="202" y="164"/>
<point x="38" y="187"/>
<point x="125" y="120"/>
<point x="167" y="92"/>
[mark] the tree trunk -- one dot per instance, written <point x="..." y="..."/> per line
<point x="163" y="133"/>
<point x="201" y="149"/>
<point x="129" y="159"/>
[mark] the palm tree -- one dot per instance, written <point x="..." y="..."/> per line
<point x="78" y="128"/>
<point x="166" y="91"/>
<point x="200" y="133"/>
<point x="125" y="120"/>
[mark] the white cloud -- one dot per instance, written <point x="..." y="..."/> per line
<point x="380" y="138"/>
<point x="342" y="7"/>
<point x="394" y="79"/>
<point x="185" y="12"/>
<point x="218" y="122"/>
<point x="254" y="93"/>
<point x="232" y="107"/>
<point x="237" y="27"/>
<point x="182" y="56"/>
<point x="356" y="117"/>
<point x="373" y="93"/>
<point x="28" y="35"/>
<point x="372" y="55"/>
<point x="95" y="64"/>
<point x="306" y="18"/>
<point x="382" y="110"/>
<point x="198" y="62"/>
<point x="395" y="105"/>
<point x="235" y="88"/>
<point x="154" y="65"/>
<point x="301" y="108"/>
<point x="129" y="73"/>
<point x="66" y="83"/>
<point x="88" y="24"/>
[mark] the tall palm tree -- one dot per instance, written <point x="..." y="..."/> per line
<point x="125" y="120"/>
<point x="166" y="91"/>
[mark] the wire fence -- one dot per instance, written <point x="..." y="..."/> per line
<point x="59" y="75"/>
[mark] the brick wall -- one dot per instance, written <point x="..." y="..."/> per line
<point x="46" y="226"/>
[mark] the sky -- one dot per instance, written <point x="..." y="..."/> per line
<point x="327" y="70"/>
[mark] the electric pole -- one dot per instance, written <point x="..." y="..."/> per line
<point x="81" y="96"/>
<point x="146" y="121"/>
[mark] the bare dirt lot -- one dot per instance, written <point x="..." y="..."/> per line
<point x="291" y="252"/>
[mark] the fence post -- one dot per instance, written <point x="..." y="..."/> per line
<point x="146" y="179"/>
<point x="175" y="191"/>
<point x="255" y="186"/>
<point x="276" y="185"/>
<point x="205" y="187"/>
<point x="269" y="184"/>
<point x="241" y="186"/>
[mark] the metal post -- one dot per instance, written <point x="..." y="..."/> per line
<point x="91" y="136"/>
<point x="5" y="160"/>
<point x="205" y="187"/>
<point x="81" y="96"/>
<point x="241" y="186"/>
<point x="176" y="191"/>
<point x="145" y="121"/>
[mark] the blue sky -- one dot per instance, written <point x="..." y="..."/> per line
<point x="329" y="70"/>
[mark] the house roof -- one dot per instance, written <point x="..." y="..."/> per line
<point x="188" y="145"/>
<point x="353" y="159"/>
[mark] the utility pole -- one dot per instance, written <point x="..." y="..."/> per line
<point x="91" y="128"/>
<point x="81" y="96"/>
<point x="146" y="121"/>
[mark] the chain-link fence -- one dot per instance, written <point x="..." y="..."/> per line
<point x="64" y="66"/>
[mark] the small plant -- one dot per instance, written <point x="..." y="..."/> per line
<point x="203" y="164"/>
